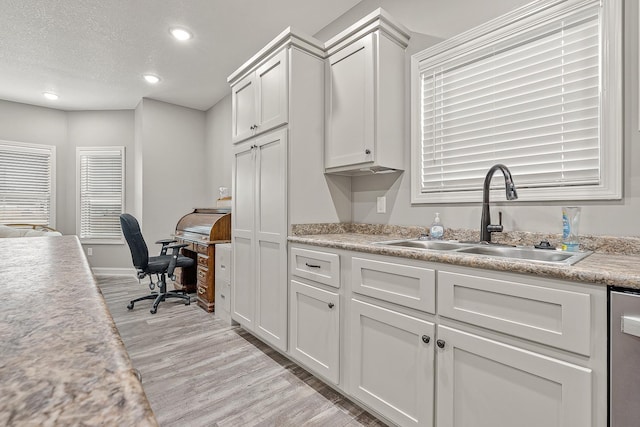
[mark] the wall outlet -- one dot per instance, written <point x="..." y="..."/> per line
<point x="89" y="251"/>
<point x="382" y="204"/>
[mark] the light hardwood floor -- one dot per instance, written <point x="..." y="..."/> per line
<point x="198" y="371"/>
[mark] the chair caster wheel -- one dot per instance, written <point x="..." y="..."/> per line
<point x="187" y="303"/>
<point x="153" y="310"/>
<point x="130" y="306"/>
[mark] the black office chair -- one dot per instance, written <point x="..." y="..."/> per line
<point x="162" y="265"/>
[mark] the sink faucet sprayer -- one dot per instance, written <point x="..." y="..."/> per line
<point x="486" y="228"/>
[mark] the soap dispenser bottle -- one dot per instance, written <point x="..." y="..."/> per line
<point x="437" y="229"/>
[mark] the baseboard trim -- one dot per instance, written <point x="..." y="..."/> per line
<point x="113" y="271"/>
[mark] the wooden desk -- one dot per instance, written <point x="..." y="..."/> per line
<point x="62" y="360"/>
<point x="202" y="277"/>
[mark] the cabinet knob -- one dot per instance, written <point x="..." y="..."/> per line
<point x="367" y="151"/>
<point x="440" y="343"/>
<point x="331" y="305"/>
<point x="426" y="339"/>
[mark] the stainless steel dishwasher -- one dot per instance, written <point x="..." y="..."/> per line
<point x="624" y="358"/>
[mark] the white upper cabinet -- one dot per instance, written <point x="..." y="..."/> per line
<point x="365" y="97"/>
<point x="259" y="99"/>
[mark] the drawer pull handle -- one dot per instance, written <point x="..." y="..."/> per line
<point x="331" y="305"/>
<point x="440" y="343"/>
<point x="426" y="339"/>
<point x="311" y="265"/>
<point x="201" y="290"/>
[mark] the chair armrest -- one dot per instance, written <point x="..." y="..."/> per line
<point x="174" y="257"/>
<point x="164" y="243"/>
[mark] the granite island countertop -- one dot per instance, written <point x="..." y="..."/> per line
<point x="62" y="361"/>
<point x="598" y="268"/>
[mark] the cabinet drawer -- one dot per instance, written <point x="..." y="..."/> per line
<point x="322" y="267"/>
<point x="200" y="248"/>
<point x="548" y="316"/>
<point x="223" y="263"/>
<point x="223" y="295"/>
<point x="203" y="260"/>
<point x="406" y="285"/>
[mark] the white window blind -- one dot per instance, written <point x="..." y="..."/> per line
<point x="27" y="184"/>
<point x="530" y="99"/>
<point x="100" y="192"/>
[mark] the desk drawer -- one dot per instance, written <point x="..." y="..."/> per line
<point x="203" y="276"/>
<point x="203" y="261"/>
<point x="322" y="267"/>
<point x="554" y="317"/>
<point x="200" y="248"/>
<point x="410" y="286"/>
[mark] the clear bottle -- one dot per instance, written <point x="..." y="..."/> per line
<point x="437" y="229"/>
<point x="570" y="226"/>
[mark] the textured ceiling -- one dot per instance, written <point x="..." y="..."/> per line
<point x="93" y="52"/>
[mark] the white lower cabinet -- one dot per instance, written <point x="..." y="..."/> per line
<point x="315" y="329"/>
<point x="424" y="344"/>
<point x="391" y="363"/>
<point x="486" y="383"/>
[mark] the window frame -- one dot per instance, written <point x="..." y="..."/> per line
<point x="79" y="152"/>
<point x="611" y="163"/>
<point x="52" y="177"/>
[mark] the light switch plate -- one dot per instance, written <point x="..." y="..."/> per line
<point x="382" y="204"/>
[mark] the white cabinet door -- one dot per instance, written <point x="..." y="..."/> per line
<point x="259" y="100"/>
<point x="271" y="79"/>
<point x="485" y="383"/>
<point x="350" y="122"/>
<point x="243" y="104"/>
<point x="271" y="238"/>
<point x="315" y="329"/>
<point x="391" y="362"/>
<point x="259" y="235"/>
<point x="243" y="236"/>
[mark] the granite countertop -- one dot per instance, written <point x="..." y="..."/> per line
<point x="62" y="361"/>
<point x="599" y="268"/>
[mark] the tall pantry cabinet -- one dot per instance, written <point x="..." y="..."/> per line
<point x="277" y="175"/>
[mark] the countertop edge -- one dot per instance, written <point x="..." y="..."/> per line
<point x="600" y="269"/>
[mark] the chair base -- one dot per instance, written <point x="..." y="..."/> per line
<point x="160" y="296"/>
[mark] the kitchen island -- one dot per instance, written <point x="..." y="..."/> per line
<point x="62" y="361"/>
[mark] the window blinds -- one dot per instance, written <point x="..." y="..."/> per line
<point x="530" y="100"/>
<point x="101" y="190"/>
<point x="26" y="184"/>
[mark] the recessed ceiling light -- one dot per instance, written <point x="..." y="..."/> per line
<point x="180" y="34"/>
<point x="50" y="95"/>
<point x="150" y="78"/>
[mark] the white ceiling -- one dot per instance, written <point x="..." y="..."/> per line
<point x="93" y="52"/>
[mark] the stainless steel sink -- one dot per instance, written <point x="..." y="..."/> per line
<point x="547" y="256"/>
<point x="528" y="254"/>
<point x="436" y="245"/>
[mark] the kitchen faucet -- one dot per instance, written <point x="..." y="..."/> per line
<point x="486" y="228"/>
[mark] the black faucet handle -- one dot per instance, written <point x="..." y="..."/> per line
<point x="495" y="228"/>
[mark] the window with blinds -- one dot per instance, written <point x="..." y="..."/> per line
<point x="528" y="96"/>
<point x="27" y="184"/>
<point x="100" y="193"/>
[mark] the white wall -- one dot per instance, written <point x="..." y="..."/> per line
<point x="38" y="125"/>
<point x="218" y="148"/>
<point x="616" y="218"/>
<point x="93" y="129"/>
<point x="173" y="166"/>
